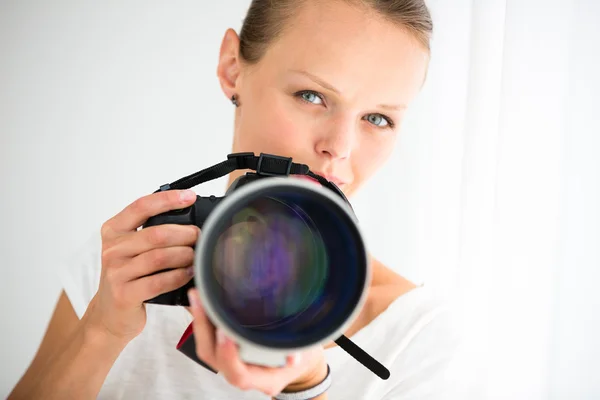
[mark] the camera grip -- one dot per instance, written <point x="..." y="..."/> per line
<point x="184" y="216"/>
<point x="195" y="214"/>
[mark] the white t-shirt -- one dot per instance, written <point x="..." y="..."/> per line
<point x="415" y="338"/>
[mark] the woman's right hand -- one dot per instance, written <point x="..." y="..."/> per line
<point x="129" y="255"/>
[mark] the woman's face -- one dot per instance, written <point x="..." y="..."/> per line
<point x="330" y="93"/>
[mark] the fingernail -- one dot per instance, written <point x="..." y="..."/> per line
<point x="187" y="195"/>
<point x="296" y="359"/>
<point x="193" y="299"/>
<point x="220" y="337"/>
<point x="189" y="271"/>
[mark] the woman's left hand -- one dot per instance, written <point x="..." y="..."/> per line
<point x="302" y="371"/>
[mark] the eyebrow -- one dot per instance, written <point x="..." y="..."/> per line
<point x="329" y="87"/>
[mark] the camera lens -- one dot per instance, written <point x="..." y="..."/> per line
<point x="283" y="265"/>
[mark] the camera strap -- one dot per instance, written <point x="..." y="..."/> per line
<point x="264" y="164"/>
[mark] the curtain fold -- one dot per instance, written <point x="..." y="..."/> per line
<point x="501" y="117"/>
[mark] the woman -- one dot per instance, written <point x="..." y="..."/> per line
<point x="327" y="83"/>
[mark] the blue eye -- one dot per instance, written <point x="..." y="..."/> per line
<point x="378" y="119"/>
<point x="310" y="97"/>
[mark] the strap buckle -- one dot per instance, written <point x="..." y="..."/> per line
<point x="241" y="159"/>
<point x="270" y="165"/>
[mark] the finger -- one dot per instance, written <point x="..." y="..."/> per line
<point x="138" y="212"/>
<point x="135" y="243"/>
<point x="229" y="364"/>
<point x="266" y="377"/>
<point x="157" y="260"/>
<point x="291" y="362"/>
<point x="270" y="380"/>
<point x="204" y="331"/>
<point x="151" y="286"/>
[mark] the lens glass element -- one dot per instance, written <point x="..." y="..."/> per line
<point x="270" y="263"/>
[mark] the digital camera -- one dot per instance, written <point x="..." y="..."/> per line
<point x="281" y="264"/>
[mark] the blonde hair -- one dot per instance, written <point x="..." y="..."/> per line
<point x="266" y="19"/>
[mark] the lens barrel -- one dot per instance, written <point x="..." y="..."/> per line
<point x="281" y="264"/>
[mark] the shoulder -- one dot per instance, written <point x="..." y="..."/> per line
<point x="410" y="313"/>
<point x="425" y="340"/>
<point x="413" y="314"/>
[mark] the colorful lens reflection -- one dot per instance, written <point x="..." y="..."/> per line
<point x="270" y="264"/>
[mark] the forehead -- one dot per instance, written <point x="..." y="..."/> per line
<point x="354" y="50"/>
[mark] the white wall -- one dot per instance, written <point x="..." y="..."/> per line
<point x="102" y="102"/>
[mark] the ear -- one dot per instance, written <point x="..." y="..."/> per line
<point x="229" y="67"/>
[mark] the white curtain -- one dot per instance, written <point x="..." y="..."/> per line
<point x="503" y="189"/>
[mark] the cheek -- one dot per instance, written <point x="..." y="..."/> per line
<point x="271" y="127"/>
<point x="370" y="157"/>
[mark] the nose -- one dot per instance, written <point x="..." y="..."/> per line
<point x="337" y="142"/>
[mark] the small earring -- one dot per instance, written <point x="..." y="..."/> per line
<point x="234" y="100"/>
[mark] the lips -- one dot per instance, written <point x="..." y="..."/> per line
<point x="307" y="178"/>
<point x="331" y="178"/>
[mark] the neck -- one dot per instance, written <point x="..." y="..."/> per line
<point x="384" y="276"/>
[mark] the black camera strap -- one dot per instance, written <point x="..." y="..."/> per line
<point x="265" y="165"/>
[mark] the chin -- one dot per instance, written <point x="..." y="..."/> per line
<point x="348" y="191"/>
